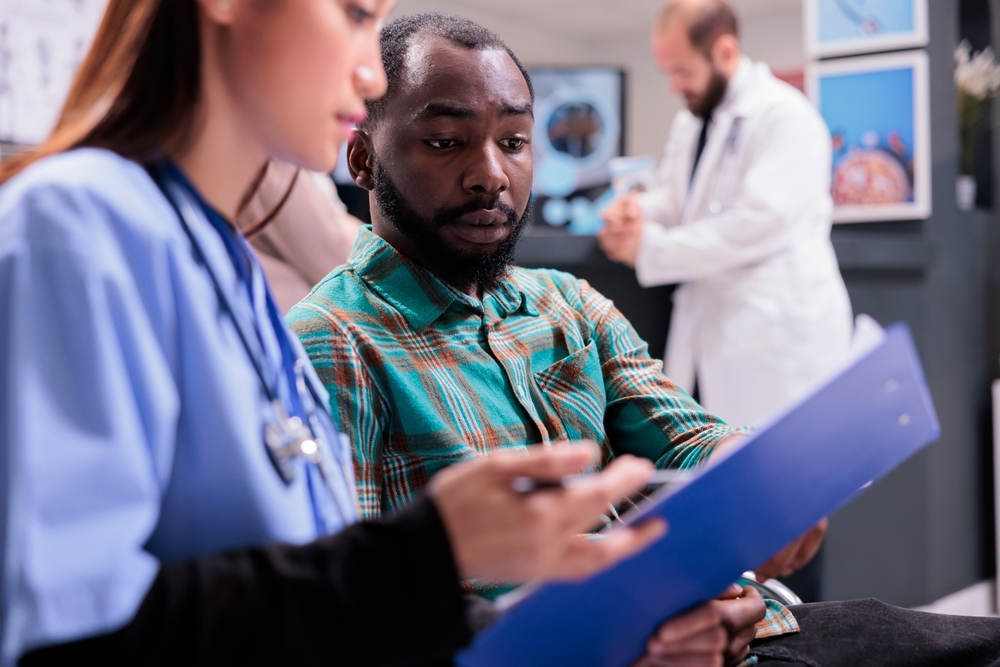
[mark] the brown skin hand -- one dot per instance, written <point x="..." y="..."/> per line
<point x="796" y="555"/>
<point x="711" y="635"/>
<point x="457" y="130"/>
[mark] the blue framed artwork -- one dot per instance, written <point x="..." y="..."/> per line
<point x="579" y="118"/>
<point x="877" y="110"/>
<point x="846" y="27"/>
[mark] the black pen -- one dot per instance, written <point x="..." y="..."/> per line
<point x="657" y="478"/>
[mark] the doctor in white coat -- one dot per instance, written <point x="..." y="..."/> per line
<point x="741" y="216"/>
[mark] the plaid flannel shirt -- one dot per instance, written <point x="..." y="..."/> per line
<point x="422" y="376"/>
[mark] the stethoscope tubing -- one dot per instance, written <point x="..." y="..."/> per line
<point x="311" y="414"/>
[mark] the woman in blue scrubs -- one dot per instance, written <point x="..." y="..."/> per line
<point x="171" y="488"/>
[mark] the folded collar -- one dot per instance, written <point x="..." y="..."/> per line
<point x="420" y="296"/>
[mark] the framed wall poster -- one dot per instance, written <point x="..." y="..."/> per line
<point x="878" y="112"/>
<point x="579" y="119"/>
<point x="41" y="44"/>
<point x="846" y="27"/>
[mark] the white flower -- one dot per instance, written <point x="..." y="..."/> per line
<point x="976" y="75"/>
<point x="963" y="52"/>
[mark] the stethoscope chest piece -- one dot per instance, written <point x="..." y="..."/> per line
<point x="288" y="438"/>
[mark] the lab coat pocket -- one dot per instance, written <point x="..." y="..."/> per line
<point x="574" y="387"/>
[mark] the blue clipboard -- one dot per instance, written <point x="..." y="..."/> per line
<point x="801" y="467"/>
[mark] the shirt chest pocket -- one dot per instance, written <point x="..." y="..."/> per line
<point x="574" y="388"/>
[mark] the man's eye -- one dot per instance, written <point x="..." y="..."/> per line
<point x="441" y="143"/>
<point x="359" y="15"/>
<point x="514" y="144"/>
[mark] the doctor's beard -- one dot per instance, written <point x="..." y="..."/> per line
<point x="704" y="104"/>
<point x="459" y="269"/>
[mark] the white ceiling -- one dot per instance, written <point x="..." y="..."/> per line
<point x="581" y="18"/>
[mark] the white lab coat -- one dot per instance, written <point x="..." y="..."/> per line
<point x="763" y="313"/>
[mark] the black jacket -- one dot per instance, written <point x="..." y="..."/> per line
<point x="380" y="593"/>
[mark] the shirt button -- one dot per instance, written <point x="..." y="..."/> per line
<point x="715" y="208"/>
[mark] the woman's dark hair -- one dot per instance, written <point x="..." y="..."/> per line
<point x="136" y="90"/>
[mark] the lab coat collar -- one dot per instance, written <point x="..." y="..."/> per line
<point x="733" y="106"/>
<point x="740" y="88"/>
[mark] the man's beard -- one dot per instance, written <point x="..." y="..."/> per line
<point x="460" y="269"/>
<point x="705" y="105"/>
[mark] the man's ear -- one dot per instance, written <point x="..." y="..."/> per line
<point x="359" y="159"/>
<point x="725" y="52"/>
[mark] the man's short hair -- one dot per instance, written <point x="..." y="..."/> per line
<point x="397" y="38"/>
<point x="706" y="21"/>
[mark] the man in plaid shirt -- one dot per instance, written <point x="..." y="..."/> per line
<point x="434" y="350"/>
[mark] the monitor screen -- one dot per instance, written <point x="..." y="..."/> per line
<point x="578" y="130"/>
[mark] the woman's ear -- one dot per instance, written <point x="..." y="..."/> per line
<point x="359" y="159"/>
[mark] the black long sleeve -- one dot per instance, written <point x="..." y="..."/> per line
<point x="382" y="593"/>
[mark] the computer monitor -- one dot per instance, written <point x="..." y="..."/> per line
<point x="579" y="128"/>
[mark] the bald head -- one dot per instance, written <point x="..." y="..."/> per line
<point x="696" y="43"/>
<point x="704" y="21"/>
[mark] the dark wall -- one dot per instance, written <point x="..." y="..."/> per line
<point x="975" y="26"/>
<point x="926" y="530"/>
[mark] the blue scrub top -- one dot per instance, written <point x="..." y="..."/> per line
<point x="131" y="416"/>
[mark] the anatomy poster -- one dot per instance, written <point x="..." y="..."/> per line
<point x="42" y="42"/>
<point x="843" y="27"/>
<point x="578" y="130"/>
<point x="877" y="109"/>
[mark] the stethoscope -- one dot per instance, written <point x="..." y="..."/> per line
<point x="287" y="437"/>
<point x="869" y="25"/>
<point x="730" y="150"/>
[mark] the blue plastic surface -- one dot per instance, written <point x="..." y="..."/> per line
<point x="803" y="466"/>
